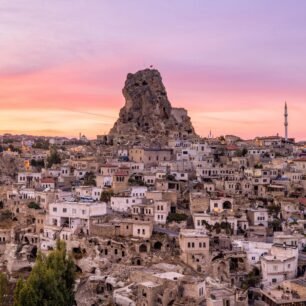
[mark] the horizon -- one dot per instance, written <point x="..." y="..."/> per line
<point x="231" y="66"/>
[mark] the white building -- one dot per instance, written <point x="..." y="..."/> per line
<point x="258" y="216"/>
<point x="201" y="219"/>
<point x="139" y="191"/>
<point x="28" y="178"/>
<point x="161" y="211"/>
<point x="221" y="204"/>
<point x="280" y="264"/>
<point x="67" y="218"/>
<point x="124" y="204"/>
<point x="254" y="250"/>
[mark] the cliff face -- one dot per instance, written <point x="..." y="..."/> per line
<point x="147" y="112"/>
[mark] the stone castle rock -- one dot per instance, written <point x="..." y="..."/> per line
<point x="147" y="113"/>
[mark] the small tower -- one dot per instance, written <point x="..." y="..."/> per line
<point x="286" y="122"/>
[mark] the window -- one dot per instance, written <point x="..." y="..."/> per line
<point x="143" y="232"/>
<point x="74" y="211"/>
<point x="201" y="291"/>
<point x="54" y="209"/>
<point x="64" y="210"/>
<point x="226" y="302"/>
<point x="83" y="211"/>
<point x="189" y="245"/>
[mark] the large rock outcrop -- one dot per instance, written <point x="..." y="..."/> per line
<point x="147" y="115"/>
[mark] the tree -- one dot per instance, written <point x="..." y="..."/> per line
<point x="217" y="227"/>
<point x="4" y="289"/>
<point x="274" y="210"/>
<point x="136" y="182"/>
<point x="33" y="205"/>
<point x="106" y="195"/>
<point x="276" y="224"/>
<point x="252" y="279"/>
<point x="50" y="282"/>
<point x="53" y="158"/>
<point x="90" y="179"/>
<point x="37" y="163"/>
<point x="41" y="144"/>
<point x="176" y="217"/>
<point x="14" y="149"/>
<point x="241" y="153"/>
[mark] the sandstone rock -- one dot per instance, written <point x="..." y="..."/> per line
<point x="147" y="113"/>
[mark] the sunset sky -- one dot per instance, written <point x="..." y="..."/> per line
<point x="232" y="64"/>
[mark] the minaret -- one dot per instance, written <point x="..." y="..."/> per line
<point x="286" y="122"/>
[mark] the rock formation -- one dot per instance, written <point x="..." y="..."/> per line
<point x="147" y="115"/>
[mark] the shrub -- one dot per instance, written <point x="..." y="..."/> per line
<point x="176" y="217"/>
<point x="33" y="205"/>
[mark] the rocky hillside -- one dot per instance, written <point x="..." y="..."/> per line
<point x="147" y="115"/>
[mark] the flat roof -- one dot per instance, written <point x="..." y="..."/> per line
<point x="193" y="233"/>
<point x="170" y="275"/>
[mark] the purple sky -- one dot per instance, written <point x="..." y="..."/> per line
<point x="232" y="64"/>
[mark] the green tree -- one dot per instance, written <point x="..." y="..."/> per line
<point x="14" y="149"/>
<point x="90" y="179"/>
<point x="106" y="195"/>
<point x="176" y="217"/>
<point x="136" y="182"/>
<point x="54" y="158"/>
<point x="41" y="144"/>
<point x="217" y="227"/>
<point x="33" y="205"/>
<point x="4" y="289"/>
<point x="37" y="163"/>
<point x="50" y="282"/>
<point x="252" y="279"/>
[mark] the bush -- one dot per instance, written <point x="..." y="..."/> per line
<point x="42" y="144"/>
<point x="106" y="195"/>
<point x="37" y="163"/>
<point x="90" y="179"/>
<point x="33" y="205"/>
<point x="53" y="158"/>
<point x="176" y="217"/>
